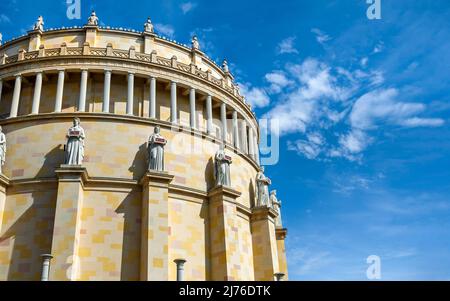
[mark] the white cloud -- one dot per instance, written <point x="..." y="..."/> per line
<point x="422" y="122"/>
<point x="287" y="46"/>
<point x="187" y="7"/>
<point x="4" y="19"/>
<point x="321" y="36"/>
<point x="278" y="81"/>
<point x="380" y="106"/>
<point x="257" y="97"/>
<point x="364" y="61"/>
<point x="310" y="148"/>
<point x="165" y="29"/>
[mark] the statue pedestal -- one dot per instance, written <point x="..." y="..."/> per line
<point x="225" y="257"/>
<point x="4" y="183"/>
<point x="265" y="253"/>
<point x="280" y="234"/>
<point x="155" y="226"/>
<point x="66" y="231"/>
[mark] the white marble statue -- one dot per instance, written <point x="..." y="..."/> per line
<point x="262" y="189"/>
<point x="93" y="19"/>
<point x="75" y="144"/>
<point x="156" y="143"/>
<point x="195" y="44"/>
<point x="276" y="205"/>
<point x="222" y="168"/>
<point x="39" y="25"/>
<point x="148" y="26"/>
<point x="225" y="66"/>
<point x="2" y="149"/>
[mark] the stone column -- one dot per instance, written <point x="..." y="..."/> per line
<point x="173" y="102"/>
<point x="279" y="276"/>
<point x="265" y="253"/>
<point x="67" y="224"/>
<point x="1" y="88"/>
<point x="83" y="90"/>
<point x="223" y="118"/>
<point x="209" y="123"/>
<point x="224" y="249"/>
<point x="152" y="97"/>
<point x="155" y="226"/>
<point x="256" y="147"/>
<point x="130" y="97"/>
<point x="180" y="268"/>
<point x="251" y="147"/>
<point x="16" y="96"/>
<point x="45" y="266"/>
<point x="106" y="91"/>
<point x="235" y="130"/>
<point x="59" y="91"/>
<point x="192" y="108"/>
<point x="244" y="144"/>
<point x="37" y="93"/>
<point x="280" y="234"/>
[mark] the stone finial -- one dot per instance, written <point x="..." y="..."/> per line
<point x="148" y="26"/>
<point x="195" y="44"/>
<point x="225" y="66"/>
<point x="39" y="25"/>
<point x="93" y="19"/>
<point x="1" y="39"/>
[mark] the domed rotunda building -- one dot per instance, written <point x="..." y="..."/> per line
<point x="128" y="156"/>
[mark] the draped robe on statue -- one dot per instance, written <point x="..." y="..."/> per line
<point x="222" y="169"/>
<point x="75" y="146"/>
<point x="156" y="144"/>
<point x="262" y="190"/>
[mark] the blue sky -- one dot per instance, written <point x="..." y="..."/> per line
<point x="364" y="108"/>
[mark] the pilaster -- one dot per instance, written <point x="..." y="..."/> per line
<point x="35" y="40"/>
<point x="224" y="251"/>
<point x="265" y="252"/>
<point x="91" y="34"/>
<point x="155" y="226"/>
<point x="4" y="183"/>
<point x="67" y="225"/>
<point x="280" y="234"/>
<point x="149" y="42"/>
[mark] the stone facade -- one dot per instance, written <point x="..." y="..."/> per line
<point x="111" y="219"/>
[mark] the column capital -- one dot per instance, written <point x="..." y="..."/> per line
<point x="225" y="191"/>
<point x="262" y="213"/>
<point x="72" y="173"/>
<point x="281" y="233"/>
<point x="156" y="178"/>
<point x="107" y="70"/>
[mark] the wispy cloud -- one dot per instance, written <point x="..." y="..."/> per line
<point x="287" y="46"/>
<point x="4" y="19"/>
<point x="165" y="29"/>
<point x="187" y="7"/>
<point x="257" y="97"/>
<point x="321" y="36"/>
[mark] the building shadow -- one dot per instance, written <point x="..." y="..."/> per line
<point x="131" y="241"/>
<point x="251" y="191"/>
<point x="204" y="215"/>
<point x="209" y="174"/>
<point x="139" y="165"/>
<point x="32" y="232"/>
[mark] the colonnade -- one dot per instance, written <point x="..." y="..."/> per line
<point x="243" y="135"/>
